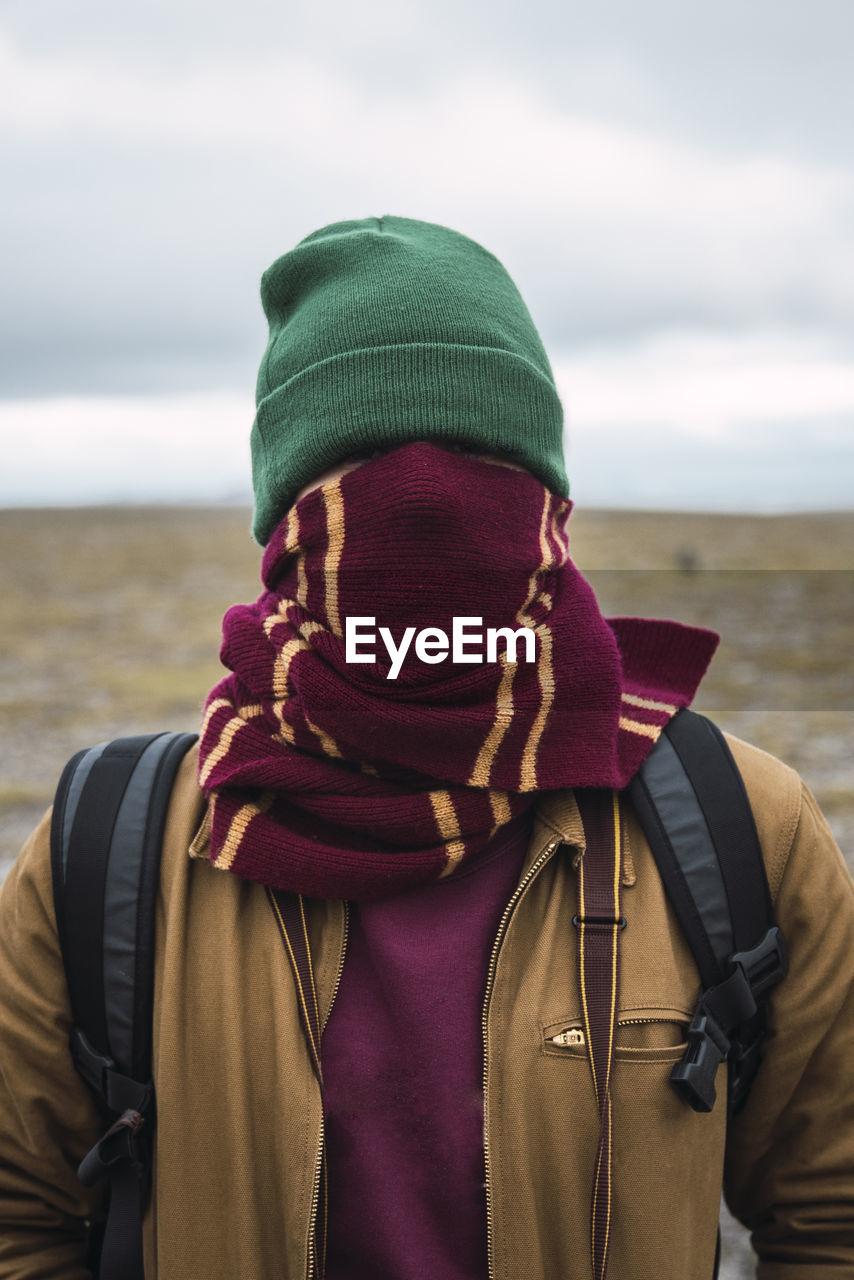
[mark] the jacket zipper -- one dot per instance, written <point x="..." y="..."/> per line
<point x="533" y="870"/>
<point x="318" y="1164"/>
<point x="315" y="1200"/>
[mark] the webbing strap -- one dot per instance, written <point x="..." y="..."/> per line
<point x="85" y="886"/>
<point x="678" y="835"/>
<point x="289" y="910"/>
<point x="106" y="835"/>
<point x="599" y="923"/>
<point x="707" y="760"/>
<point x="121" y="1252"/>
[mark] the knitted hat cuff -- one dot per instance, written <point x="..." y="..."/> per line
<point x="382" y="397"/>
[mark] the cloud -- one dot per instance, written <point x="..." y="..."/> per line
<point x="772" y="71"/>
<point x="72" y="450"/>
<point x="480" y="134"/>
<point x="771" y="468"/>
<point x="712" y="388"/>
<point x="148" y="200"/>
<point x="764" y="423"/>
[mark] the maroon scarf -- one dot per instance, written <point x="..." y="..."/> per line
<point x="326" y="777"/>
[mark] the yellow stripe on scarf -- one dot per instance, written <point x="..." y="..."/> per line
<point x="500" y="806"/>
<point x="545" y="674"/>
<point x="334" y="504"/>
<point x="237" y="829"/>
<point x="292" y="547"/>
<point x="448" y="827"/>
<point x="645" y="730"/>
<point x="500" y="724"/>
<point x="226" y="737"/>
<point x="282" y="666"/>
<point x="649" y="704"/>
<point x="330" y="747"/>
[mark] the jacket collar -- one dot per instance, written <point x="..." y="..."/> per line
<point x="557" y="817"/>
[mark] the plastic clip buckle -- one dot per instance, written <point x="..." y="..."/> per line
<point x="764" y="965"/>
<point x="694" y="1077"/>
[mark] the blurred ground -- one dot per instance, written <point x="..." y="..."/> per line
<point x="110" y="625"/>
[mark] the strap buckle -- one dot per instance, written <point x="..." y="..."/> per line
<point x="694" y="1077"/>
<point x="713" y="1033"/>
<point x="764" y="965"/>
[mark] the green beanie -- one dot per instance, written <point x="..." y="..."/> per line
<point x="385" y="331"/>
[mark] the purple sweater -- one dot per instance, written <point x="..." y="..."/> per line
<point x="403" y="1072"/>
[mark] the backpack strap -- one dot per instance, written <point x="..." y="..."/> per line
<point x="691" y="802"/>
<point x="106" y="834"/>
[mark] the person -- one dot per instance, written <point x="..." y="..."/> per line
<point x="388" y="757"/>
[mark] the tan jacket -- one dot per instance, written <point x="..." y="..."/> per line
<point x="240" y="1121"/>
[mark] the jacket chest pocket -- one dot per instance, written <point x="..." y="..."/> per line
<point x="643" y="1035"/>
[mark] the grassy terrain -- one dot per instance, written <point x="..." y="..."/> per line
<point x="110" y="624"/>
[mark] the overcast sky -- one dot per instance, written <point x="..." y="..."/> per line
<point x="671" y="185"/>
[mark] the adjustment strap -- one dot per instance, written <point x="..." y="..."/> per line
<point x="599" y="922"/>
<point x="289" y="910"/>
<point x="719" y="787"/>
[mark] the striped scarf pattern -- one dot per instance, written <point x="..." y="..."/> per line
<point x="327" y="778"/>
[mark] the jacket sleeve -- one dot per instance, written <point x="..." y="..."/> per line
<point x="790" y="1152"/>
<point x="48" y="1119"/>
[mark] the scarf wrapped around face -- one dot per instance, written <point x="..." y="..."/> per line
<point x="328" y="778"/>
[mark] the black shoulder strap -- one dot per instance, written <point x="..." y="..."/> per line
<point x="106" y="835"/>
<point x="693" y="807"/>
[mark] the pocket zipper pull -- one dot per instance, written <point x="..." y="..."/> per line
<point x="573" y="1036"/>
